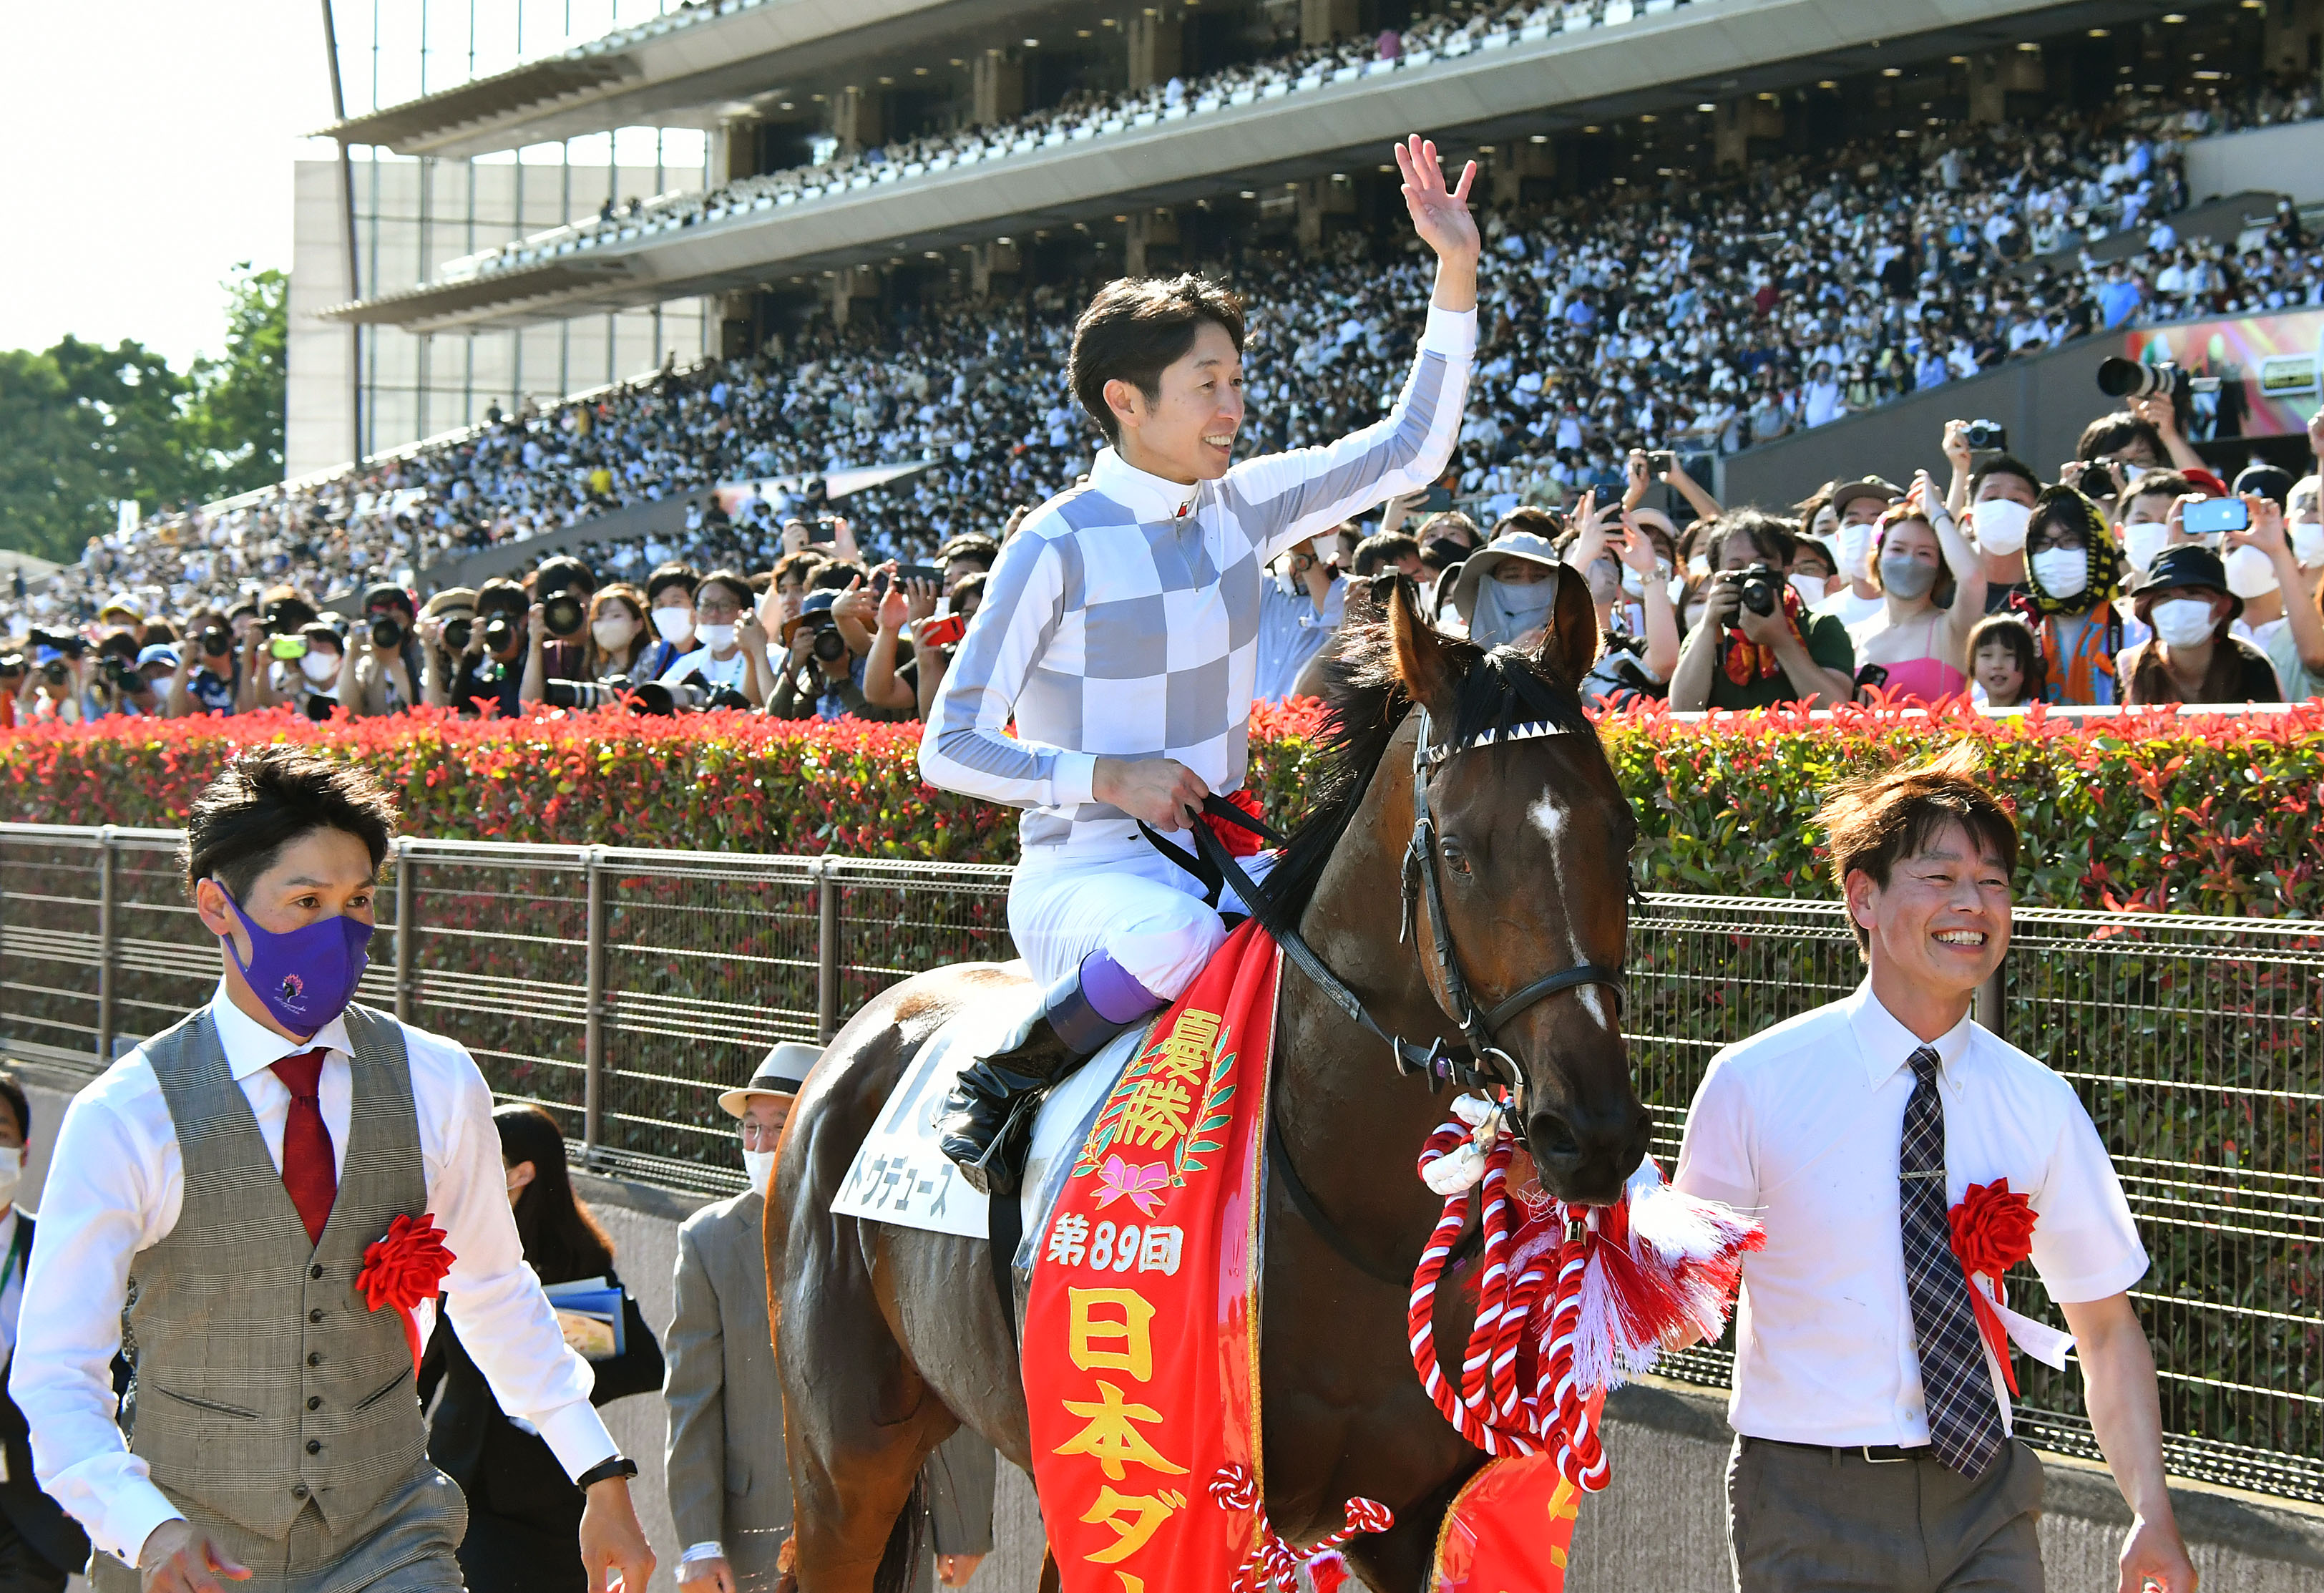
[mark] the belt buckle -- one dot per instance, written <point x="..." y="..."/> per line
<point x="1872" y="1459"/>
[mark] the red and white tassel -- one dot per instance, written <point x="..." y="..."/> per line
<point x="1273" y="1563"/>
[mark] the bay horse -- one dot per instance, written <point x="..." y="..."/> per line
<point x="888" y="1338"/>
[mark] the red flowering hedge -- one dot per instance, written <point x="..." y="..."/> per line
<point x="2150" y="811"/>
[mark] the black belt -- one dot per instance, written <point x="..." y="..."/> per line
<point x="1879" y="1454"/>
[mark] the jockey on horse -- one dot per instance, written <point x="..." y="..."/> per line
<point x="1119" y="630"/>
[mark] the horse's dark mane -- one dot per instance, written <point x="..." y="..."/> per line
<point x="1364" y="703"/>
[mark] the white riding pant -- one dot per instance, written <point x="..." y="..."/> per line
<point x="1139" y="907"/>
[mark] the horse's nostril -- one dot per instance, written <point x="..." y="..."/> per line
<point x="1553" y="1142"/>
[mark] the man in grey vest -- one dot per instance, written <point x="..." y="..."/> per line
<point x="219" y="1192"/>
<point x="730" y="1485"/>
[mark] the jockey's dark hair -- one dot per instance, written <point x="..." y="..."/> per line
<point x="563" y="1240"/>
<point x="1364" y="703"/>
<point x="1875" y="821"/>
<point x="1138" y="327"/>
<point x="266" y="799"/>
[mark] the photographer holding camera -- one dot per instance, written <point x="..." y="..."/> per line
<point x="892" y="669"/>
<point x="1921" y="561"/>
<point x="821" y="675"/>
<point x="386" y="673"/>
<point x="443" y="629"/>
<point x="208" y="678"/>
<point x="557" y="647"/>
<point x="304" y="671"/>
<point x="734" y="651"/>
<point x="490" y="671"/>
<point x="1757" y="645"/>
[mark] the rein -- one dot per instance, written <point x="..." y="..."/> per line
<point x="1217" y="867"/>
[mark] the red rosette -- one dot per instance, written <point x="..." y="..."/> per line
<point x="1992" y="1231"/>
<point x="1238" y="841"/>
<point x="402" y="1267"/>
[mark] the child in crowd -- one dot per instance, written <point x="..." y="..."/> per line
<point x="2004" y="662"/>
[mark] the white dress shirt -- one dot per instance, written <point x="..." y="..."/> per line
<point x="114" y="1188"/>
<point x="1800" y="1127"/>
<point x="12" y="1290"/>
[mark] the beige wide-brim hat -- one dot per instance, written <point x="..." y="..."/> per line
<point x="781" y="1074"/>
<point x="1523" y="546"/>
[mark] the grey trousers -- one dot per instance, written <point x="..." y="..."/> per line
<point x="407" y="1544"/>
<point x="1810" y="1521"/>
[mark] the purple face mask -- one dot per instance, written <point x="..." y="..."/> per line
<point x="304" y="978"/>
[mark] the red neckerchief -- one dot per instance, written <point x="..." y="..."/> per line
<point x="1745" y="660"/>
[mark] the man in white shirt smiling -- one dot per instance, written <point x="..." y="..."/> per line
<point x="222" y="1188"/>
<point x="1873" y="1447"/>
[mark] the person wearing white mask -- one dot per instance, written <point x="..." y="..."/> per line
<point x="619" y="632"/>
<point x="1504" y="591"/>
<point x="2251" y="569"/>
<point x="729" y="1480"/>
<point x="40" y="1544"/>
<point x="2192" y="659"/>
<point x="1854" y="508"/>
<point x="2072" y="597"/>
<point x="2296" y="651"/>
<point x="2002" y="493"/>
<point x="733" y="647"/>
<point x="670" y="610"/>
<point x="2146" y="516"/>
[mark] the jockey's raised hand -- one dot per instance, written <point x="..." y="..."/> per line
<point x="1440" y="215"/>
<point x="1161" y="791"/>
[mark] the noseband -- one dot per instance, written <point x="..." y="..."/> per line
<point x="1482" y="1061"/>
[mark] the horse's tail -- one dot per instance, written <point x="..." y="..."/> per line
<point x="901" y="1558"/>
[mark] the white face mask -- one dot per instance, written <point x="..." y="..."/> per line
<point x="2182" y="622"/>
<point x="613" y="633"/>
<point x="1699" y="566"/>
<point x="673" y="624"/>
<point x="1811" y="589"/>
<point x="2063" y="572"/>
<point x="12" y="1173"/>
<point x="2250" y="573"/>
<point x="1853" y="543"/>
<point x="717" y="638"/>
<point x="759" y="1167"/>
<point x="319" y="667"/>
<point x="2307" y="542"/>
<point x="2141" y="542"/>
<point x="2001" y="526"/>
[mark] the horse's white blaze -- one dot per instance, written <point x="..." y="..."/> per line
<point x="1593" y="1002"/>
<point x="1547" y="817"/>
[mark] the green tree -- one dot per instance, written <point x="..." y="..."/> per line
<point x="84" y="429"/>
<point x="235" y="421"/>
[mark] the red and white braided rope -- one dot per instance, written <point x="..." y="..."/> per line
<point x="1489" y="1409"/>
<point x="1273" y="1563"/>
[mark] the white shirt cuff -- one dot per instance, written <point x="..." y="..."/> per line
<point x="1450" y="331"/>
<point x="710" y="1548"/>
<point x="135" y="1512"/>
<point x="575" y="1434"/>
<point x="1076" y="774"/>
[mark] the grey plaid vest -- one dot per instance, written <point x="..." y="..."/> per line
<point x="262" y="1378"/>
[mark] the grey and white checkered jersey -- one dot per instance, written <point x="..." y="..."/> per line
<point x="1122" y="619"/>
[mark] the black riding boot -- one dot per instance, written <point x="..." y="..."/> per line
<point x="987" y="1122"/>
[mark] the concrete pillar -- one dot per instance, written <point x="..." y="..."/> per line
<point x="1515" y="162"/>
<point x="1323" y="21"/>
<point x="996" y="88"/>
<point x="730" y="315"/>
<point x="1148" y="230"/>
<point x="1997" y="74"/>
<point x="1321" y="197"/>
<point x="1156" y="48"/>
<point x="857" y="119"/>
<point x="1737" y="121"/>
<point x="847" y="284"/>
<point x="733" y="151"/>
<point x="2288" y="36"/>
<point x="987" y="261"/>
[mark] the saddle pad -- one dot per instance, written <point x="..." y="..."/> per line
<point x="900" y="1175"/>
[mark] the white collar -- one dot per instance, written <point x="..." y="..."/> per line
<point x="250" y="1047"/>
<point x="1887" y="1045"/>
<point x="1142" y="493"/>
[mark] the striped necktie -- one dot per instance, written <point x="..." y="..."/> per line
<point x="1964" y="1421"/>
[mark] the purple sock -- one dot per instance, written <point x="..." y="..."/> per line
<point x="1112" y="992"/>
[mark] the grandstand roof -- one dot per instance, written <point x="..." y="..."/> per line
<point x="1706" y="51"/>
<point x="677" y="70"/>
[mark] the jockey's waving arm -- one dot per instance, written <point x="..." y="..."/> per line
<point x="1120" y="629"/>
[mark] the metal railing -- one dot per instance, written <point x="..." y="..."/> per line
<point x="622" y="988"/>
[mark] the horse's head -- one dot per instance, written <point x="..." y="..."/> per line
<point x="1530" y="837"/>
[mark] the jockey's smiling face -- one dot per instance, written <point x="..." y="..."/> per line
<point x="1185" y="432"/>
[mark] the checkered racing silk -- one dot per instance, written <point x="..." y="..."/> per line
<point x="1964" y="1421"/>
<point x="1123" y="620"/>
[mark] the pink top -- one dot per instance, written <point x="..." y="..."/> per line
<point x="1926" y="679"/>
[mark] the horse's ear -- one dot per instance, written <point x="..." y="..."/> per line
<point x="1569" y="642"/>
<point x="1425" y="663"/>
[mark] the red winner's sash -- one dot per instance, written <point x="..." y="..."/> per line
<point x="1141" y="1328"/>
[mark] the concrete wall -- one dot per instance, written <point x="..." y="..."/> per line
<point x="1661" y="1524"/>
<point x="2286" y="159"/>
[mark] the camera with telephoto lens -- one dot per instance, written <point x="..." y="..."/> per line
<point x="56" y="672"/>
<point x="830" y="646"/>
<point x="1762" y="587"/>
<point x="499" y="633"/>
<point x="655" y="698"/>
<point x="587" y="693"/>
<point x="217" y="642"/>
<point x="123" y="675"/>
<point x="1986" y="437"/>
<point x="2132" y="378"/>
<point x="386" y="632"/>
<point x="456" y="632"/>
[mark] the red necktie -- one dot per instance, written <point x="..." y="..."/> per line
<point x="309" y="1172"/>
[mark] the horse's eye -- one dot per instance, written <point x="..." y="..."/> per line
<point x="1455" y="858"/>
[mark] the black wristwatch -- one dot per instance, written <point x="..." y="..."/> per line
<point x="619" y="1465"/>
